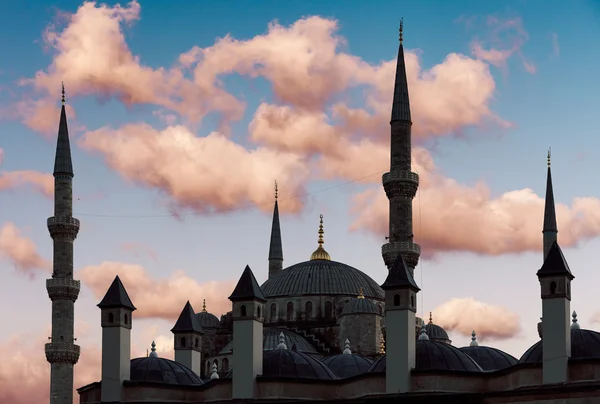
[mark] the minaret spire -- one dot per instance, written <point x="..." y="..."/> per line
<point x="400" y="183"/>
<point x="62" y="353"/>
<point x="550" y="230"/>
<point x="275" y="245"/>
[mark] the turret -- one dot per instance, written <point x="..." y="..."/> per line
<point x="187" y="335"/>
<point x="550" y="230"/>
<point x="275" y="246"/>
<point x="555" y="282"/>
<point x="116" y="320"/>
<point x="400" y="311"/>
<point x="248" y="316"/>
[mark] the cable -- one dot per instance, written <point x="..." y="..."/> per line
<point x="421" y="235"/>
<point x="231" y="209"/>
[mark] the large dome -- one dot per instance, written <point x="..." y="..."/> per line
<point x="321" y="277"/>
<point x="161" y="370"/>
<point x="585" y="344"/>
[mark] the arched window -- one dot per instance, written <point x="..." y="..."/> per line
<point x="273" y="312"/>
<point x="243" y="310"/>
<point x="552" y="287"/>
<point x="125" y="319"/>
<point x="258" y="311"/>
<point x="111" y="318"/>
<point x="290" y="311"/>
<point x="328" y="310"/>
<point x="225" y="364"/>
<point x="182" y="342"/>
<point x="308" y="309"/>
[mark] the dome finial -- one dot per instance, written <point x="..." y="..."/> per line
<point x="473" y="339"/>
<point x="575" y="325"/>
<point x="203" y="305"/>
<point x="214" y="372"/>
<point x="401" y="29"/>
<point x="276" y="190"/>
<point x="347" y="350"/>
<point x="381" y="345"/>
<point x="153" y="353"/>
<point x="320" y="253"/>
<point x="549" y="152"/>
<point x="63" y="92"/>
<point x="430" y="318"/>
<point x="360" y="293"/>
<point x="423" y="336"/>
<point x="282" y="344"/>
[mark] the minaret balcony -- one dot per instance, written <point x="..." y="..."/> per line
<point x="63" y="227"/>
<point x="63" y="288"/>
<point x="409" y="250"/>
<point x="400" y="183"/>
<point x="62" y="352"/>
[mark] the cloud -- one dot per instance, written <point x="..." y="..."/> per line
<point x="158" y="298"/>
<point x="21" y="251"/>
<point x="467" y="314"/>
<point x="41" y="182"/>
<point x="555" y="44"/>
<point x="139" y="249"/>
<point x="203" y="173"/>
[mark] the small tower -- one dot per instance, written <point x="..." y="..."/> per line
<point x="248" y="316"/>
<point x="400" y="310"/>
<point x="275" y="245"/>
<point x="116" y="318"/>
<point x="550" y="230"/>
<point x="555" y="281"/>
<point x="187" y="335"/>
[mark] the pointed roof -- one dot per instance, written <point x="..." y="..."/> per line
<point x="401" y="104"/>
<point x="116" y="296"/>
<point x="247" y="288"/>
<point x="62" y="163"/>
<point x="187" y="321"/>
<point x="275" y="247"/>
<point x="399" y="277"/>
<point x="549" y="208"/>
<point x="555" y="264"/>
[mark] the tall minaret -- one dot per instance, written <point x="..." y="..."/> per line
<point x="401" y="183"/>
<point x="275" y="247"/>
<point x="550" y="230"/>
<point x="61" y="352"/>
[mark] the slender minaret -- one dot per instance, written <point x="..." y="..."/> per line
<point x="555" y="282"/>
<point x="248" y="316"/>
<point x="550" y="230"/>
<point x="61" y="352"/>
<point x="275" y="247"/>
<point x="400" y="316"/>
<point x="187" y="334"/>
<point x="401" y="183"/>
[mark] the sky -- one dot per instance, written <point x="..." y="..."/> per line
<point x="183" y="114"/>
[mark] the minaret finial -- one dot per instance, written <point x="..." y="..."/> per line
<point x="430" y="318"/>
<point x="63" y="92"/>
<point x="153" y="353"/>
<point x="401" y="29"/>
<point x="204" y="305"/>
<point x="214" y="371"/>
<point x="549" y="152"/>
<point x="276" y="191"/>
<point x="347" y="350"/>
<point x="361" y="294"/>
<point x="282" y="344"/>
<point x="320" y="253"/>
<point x="381" y="345"/>
<point x="473" y="339"/>
<point x="423" y="336"/>
<point x="575" y="325"/>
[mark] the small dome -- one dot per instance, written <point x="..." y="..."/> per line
<point x="437" y="333"/>
<point x="433" y="355"/>
<point x="585" y="344"/>
<point x="161" y="370"/>
<point x="208" y="320"/>
<point x="347" y="365"/>
<point x="360" y="305"/>
<point x="489" y="358"/>
<point x="271" y="341"/>
<point x="297" y="365"/>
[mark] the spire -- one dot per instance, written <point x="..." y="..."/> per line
<point x="575" y="325"/>
<point x="549" y="209"/>
<point x="116" y="296"/>
<point x="320" y="253"/>
<point x="62" y="163"/>
<point x="399" y="276"/>
<point x="473" y="339"/>
<point x="275" y="248"/>
<point x="247" y="288"/>
<point x="401" y="104"/>
<point x="187" y="321"/>
<point x="555" y="264"/>
<point x="347" y="350"/>
<point x="153" y="353"/>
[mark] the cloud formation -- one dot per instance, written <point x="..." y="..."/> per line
<point x="21" y="251"/>
<point x="41" y="182"/>
<point x="158" y="298"/>
<point x="464" y="315"/>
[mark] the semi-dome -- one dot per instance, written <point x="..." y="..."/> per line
<point x="321" y="277"/>
<point x="433" y="355"/>
<point x="585" y="344"/>
<point x="288" y="363"/>
<point x="347" y="364"/>
<point x="360" y="305"/>
<point x="271" y="341"/>
<point x="161" y="370"/>
<point x="488" y="358"/>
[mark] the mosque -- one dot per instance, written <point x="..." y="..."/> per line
<point x="322" y="330"/>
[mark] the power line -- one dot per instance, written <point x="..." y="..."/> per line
<point x="216" y="211"/>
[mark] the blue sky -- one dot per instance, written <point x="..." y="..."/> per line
<point x="556" y="106"/>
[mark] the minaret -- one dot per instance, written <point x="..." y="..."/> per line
<point x="555" y="281"/>
<point x="188" y="339"/>
<point x="63" y="290"/>
<point x="275" y="247"/>
<point x="116" y="319"/>
<point x="550" y="230"/>
<point x="400" y="315"/>
<point x="400" y="183"/>
<point x="248" y="316"/>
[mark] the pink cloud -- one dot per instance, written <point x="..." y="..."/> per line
<point x="21" y="251"/>
<point x="139" y="249"/>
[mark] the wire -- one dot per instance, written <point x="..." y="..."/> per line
<point x="420" y="264"/>
<point x="235" y="208"/>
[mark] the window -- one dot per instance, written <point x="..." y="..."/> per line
<point x="290" y="311"/>
<point x="552" y="288"/>
<point x="111" y="318"/>
<point x="273" y="312"/>
<point x="182" y="342"/>
<point x="328" y="310"/>
<point x="197" y="342"/>
<point x="412" y="301"/>
<point x="225" y="364"/>
<point x="243" y="310"/>
<point x="308" y="309"/>
<point x="125" y="319"/>
<point x="258" y="311"/>
<point x="396" y="300"/>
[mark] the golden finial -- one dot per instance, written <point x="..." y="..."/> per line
<point x="360" y="293"/>
<point x="382" y="345"/>
<point x="430" y="318"/>
<point x="63" y="92"/>
<point x="204" y="305"/>
<point x="320" y="253"/>
<point x="401" y="26"/>
<point x="276" y="192"/>
<point x="549" y="150"/>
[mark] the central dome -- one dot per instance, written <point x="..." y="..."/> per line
<point x="321" y="277"/>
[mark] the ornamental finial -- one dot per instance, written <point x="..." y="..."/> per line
<point x="153" y="353"/>
<point x="276" y="191"/>
<point x="549" y="150"/>
<point x="361" y="294"/>
<point x="320" y="253"/>
<point x="474" y="339"/>
<point x="282" y="344"/>
<point x="347" y="350"/>
<point x="204" y="305"/>
<point x="423" y="336"/>
<point x="63" y="92"/>
<point x="430" y="318"/>
<point x="575" y="325"/>
<point x="401" y="29"/>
